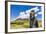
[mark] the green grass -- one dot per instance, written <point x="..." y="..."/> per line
<point x="40" y="23"/>
<point x="23" y="24"/>
<point x="20" y="24"/>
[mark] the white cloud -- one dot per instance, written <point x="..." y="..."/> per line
<point x="35" y="9"/>
<point x="35" y="15"/>
<point x="23" y="15"/>
<point x="13" y="19"/>
<point x="39" y="12"/>
<point x="26" y="13"/>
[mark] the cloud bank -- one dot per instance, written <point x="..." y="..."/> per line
<point x="25" y="15"/>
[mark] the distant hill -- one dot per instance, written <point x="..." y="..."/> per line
<point x="21" y="19"/>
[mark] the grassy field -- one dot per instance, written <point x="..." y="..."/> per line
<point x="22" y="24"/>
<point x="40" y="23"/>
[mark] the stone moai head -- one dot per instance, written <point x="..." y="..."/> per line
<point x="32" y="13"/>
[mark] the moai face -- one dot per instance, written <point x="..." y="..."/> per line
<point x="32" y="13"/>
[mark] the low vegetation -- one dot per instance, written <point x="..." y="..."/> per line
<point x="23" y="24"/>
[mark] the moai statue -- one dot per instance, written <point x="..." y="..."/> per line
<point x="33" y="20"/>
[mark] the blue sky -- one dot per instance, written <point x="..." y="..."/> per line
<point x="16" y="9"/>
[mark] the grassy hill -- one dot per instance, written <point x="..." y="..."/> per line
<point x="20" y="24"/>
<point x="39" y="23"/>
<point x="23" y="24"/>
